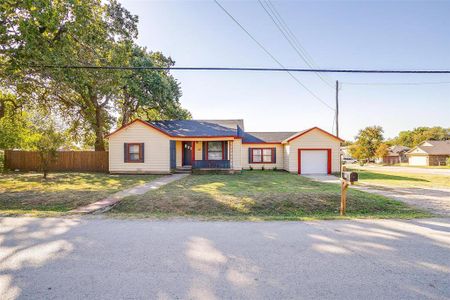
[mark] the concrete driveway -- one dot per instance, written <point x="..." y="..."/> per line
<point x="411" y="170"/>
<point x="141" y="259"/>
<point x="435" y="200"/>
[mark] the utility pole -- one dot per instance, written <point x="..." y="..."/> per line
<point x="337" y="108"/>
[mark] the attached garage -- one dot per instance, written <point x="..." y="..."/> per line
<point x="314" y="161"/>
<point x="418" y="160"/>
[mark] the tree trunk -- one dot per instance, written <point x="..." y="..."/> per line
<point x="126" y="108"/>
<point x="98" y="128"/>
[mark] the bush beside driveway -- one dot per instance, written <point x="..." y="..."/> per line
<point x="258" y="195"/>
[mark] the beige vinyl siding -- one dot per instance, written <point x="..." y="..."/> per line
<point x="314" y="139"/>
<point x="286" y="152"/>
<point x="156" y="150"/>
<point x="279" y="161"/>
<point x="236" y="155"/>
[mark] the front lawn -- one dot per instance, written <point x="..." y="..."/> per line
<point x="28" y="193"/>
<point x="258" y="195"/>
<point x="397" y="179"/>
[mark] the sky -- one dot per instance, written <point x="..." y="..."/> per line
<point x="336" y="34"/>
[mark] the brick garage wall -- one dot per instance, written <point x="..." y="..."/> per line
<point x="436" y="160"/>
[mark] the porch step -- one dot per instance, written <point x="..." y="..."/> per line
<point x="183" y="170"/>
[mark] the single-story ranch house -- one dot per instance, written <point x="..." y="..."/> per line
<point x="429" y="153"/>
<point x="165" y="146"/>
<point x="396" y="155"/>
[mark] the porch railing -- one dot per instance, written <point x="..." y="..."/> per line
<point x="211" y="164"/>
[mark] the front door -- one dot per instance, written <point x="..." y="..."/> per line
<point x="187" y="153"/>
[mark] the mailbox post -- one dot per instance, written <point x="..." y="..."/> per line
<point x="346" y="179"/>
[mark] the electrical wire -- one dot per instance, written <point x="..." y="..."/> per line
<point x="287" y="33"/>
<point x="396" y="83"/>
<point x="256" y="69"/>
<point x="273" y="57"/>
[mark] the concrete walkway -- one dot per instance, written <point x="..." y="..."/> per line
<point x="108" y="202"/>
<point x="434" y="200"/>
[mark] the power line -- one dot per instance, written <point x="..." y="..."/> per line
<point x="369" y="71"/>
<point x="282" y="26"/>
<point x="273" y="57"/>
<point x="396" y="83"/>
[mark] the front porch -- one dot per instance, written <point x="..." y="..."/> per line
<point x="197" y="156"/>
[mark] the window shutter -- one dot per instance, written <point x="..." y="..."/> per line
<point x="250" y="155"/>
<point x="274" y="155"/>
<point x="143" y="152"/>
<point x="125" y="152"/>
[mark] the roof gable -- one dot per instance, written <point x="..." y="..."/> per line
<point x="302" y="133"/>
<point x="432" y="148"/>
<point x="139" y="121"/>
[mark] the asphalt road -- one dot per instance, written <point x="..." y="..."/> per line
<point x="142" y="259"/>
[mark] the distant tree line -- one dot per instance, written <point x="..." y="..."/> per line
<point x="370" y="143"/>
<point x="81" y="105"/>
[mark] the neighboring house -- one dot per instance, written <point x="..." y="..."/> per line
<point x="396" y="155"/>
<point x="164" y="146"/>
<point x="429" y="153"/>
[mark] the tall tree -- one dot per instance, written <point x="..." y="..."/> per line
<point x="74" y="33"/>
<point x="82" y="33"/>
<point x="150" y="94"/>
<point x="367" y="142"/>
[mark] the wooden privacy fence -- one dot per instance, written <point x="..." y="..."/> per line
<point x="89" y="161"/>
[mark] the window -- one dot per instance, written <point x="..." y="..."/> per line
<point x="215" y="151"/>
<point x="134" y="152"/>
<point x="257" y="156"/>
<point x="262" y="155"/>
<point x="267" y="155"/>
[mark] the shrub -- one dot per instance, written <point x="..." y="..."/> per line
<point x="448" y="161"/>
<point x="251" y="168"/>
<point x="262" y="168"/>
<point x="274" y="168"/>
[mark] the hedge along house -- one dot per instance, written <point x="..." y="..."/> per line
<point x="163" y="147"/>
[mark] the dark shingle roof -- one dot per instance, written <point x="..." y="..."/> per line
<point x="396" y="150"/>
<point x="436" y="148"/>
<point x="198" y="128"/>
<point x="266" y="137"/>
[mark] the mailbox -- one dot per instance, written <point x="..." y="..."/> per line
<point x="350" y="176"/>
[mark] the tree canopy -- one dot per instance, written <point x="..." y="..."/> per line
<point x="367" y="142"/>
<point x="82" y="33"/>
<point x="412" y="138"/>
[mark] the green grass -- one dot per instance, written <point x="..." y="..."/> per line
<point x="258" y="195"/>
<point x="28" y="193"/>
<point x="398" y="179"/>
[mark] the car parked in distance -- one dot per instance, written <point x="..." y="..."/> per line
<point x="348" y="160"/>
